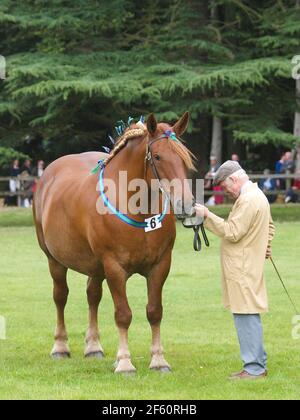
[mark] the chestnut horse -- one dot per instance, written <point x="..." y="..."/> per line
<point x="73" y="234"/>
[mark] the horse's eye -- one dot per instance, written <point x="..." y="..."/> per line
<point x="157" y="157"/>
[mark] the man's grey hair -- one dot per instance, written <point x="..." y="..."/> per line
<point x="240" y="174"/>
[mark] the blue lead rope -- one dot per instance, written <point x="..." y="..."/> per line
<point x="123" y="216"/>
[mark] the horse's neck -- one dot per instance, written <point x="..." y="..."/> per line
<point x="129" y="160"/>
<point x="128" y="165"/>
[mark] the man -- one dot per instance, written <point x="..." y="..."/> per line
<point x="14" y="184"/>
<point x="268" y="184"/>
<point x="289" y="164"/>
<point x="26" y="168"/>
<point x="208" y="182"/>
<point x="280" y="183"/>
<point x="26" y="185"/>
<point x="213" y="167"/>
<point x="246" y="242"/>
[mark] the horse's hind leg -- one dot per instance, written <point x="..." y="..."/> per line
<point x="94" y="294"/>
<point x="116" y="280"/>
<point x="60" y="295"/>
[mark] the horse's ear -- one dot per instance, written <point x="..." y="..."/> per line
<point x="151" y="124"/>
<point x="182" y="124"/>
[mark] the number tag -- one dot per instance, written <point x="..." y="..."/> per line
<point x="153" y="223"/>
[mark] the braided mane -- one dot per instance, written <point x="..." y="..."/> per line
<point x="135" y="130"/>
<point x="139" y="130"/>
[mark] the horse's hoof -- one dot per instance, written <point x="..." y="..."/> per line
<point x="60" y="356"/>
<point x="163" y="369"/>
<point x="124" y="366"/>
<point x="95" y="355"/>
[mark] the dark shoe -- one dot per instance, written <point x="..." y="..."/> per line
<point x="245" y="375"/>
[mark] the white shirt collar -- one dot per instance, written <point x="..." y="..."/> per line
<point x="245" y="186"/>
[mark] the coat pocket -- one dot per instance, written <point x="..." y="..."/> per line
<point x="233" y="266"/>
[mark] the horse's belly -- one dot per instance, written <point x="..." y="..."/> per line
<point x="70" y="249"/>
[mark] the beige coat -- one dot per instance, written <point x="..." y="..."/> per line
<point x="245" y="238"/>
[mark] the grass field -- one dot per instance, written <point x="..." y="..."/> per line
<point x="198" y="335"/>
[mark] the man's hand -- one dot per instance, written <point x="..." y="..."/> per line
<point x="269" y="252"/>
<point x="201" y="211"/>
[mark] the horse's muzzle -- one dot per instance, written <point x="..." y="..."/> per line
<point x="183" y="209"/>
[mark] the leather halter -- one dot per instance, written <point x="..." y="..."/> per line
<point x="149" y="158"/>
<point x="123" y="216"/>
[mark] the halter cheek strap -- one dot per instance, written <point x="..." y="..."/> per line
<point x="149" y="158"/>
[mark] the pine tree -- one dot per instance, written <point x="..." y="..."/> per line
<point x="76" y="67"/>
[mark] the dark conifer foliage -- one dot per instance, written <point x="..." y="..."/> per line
<point x="76" y="67"/>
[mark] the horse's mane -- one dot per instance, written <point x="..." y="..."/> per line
<point x="140" y="130"/>
<point x="184" y="153"/>
<point x="135" y="130"/>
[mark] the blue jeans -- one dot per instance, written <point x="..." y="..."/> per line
<point x="250" y="334"/>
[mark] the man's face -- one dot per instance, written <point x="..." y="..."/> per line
<point x="235" y="158"/>
<point x="288" y="156"/>
<point x="213" y="162"/>
<point x="231" y="187"/>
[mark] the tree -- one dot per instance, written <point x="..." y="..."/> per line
<point x="297" y="113"/>
<point x="76" y="67"/>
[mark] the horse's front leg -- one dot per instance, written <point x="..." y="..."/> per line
<point x="116" y="280"/>
<point x="93" y="347"/>
<point x="155" y="283"/>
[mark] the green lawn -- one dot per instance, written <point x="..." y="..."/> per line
<point x="198" y="335"/>
<point x="18" y="217"/>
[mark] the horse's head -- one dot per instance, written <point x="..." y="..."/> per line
<point x="169" y="161"/>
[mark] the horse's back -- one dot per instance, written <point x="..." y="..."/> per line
<point x="62" y="177"/>
<point x="64" y="193"/>
<point x="75" y="166"/>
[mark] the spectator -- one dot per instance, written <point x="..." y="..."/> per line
<point x="211" y="173"/>
<point x="26" y="185"/>
<point x="14" y="172"/>
<point x="14" y="184"/>
<point x="208" y="182"/>
<point x="292" y="195"/>
<point x="268" y="184"/>
<point x="26" y="168"/>
<point x="39" y="170"/>
<point x="279" y="164"/>
<point x="288" y="167"/>
<point x="235" y="157"/>
<point x="289" y="164"/>
<point x="279" y="169"/>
